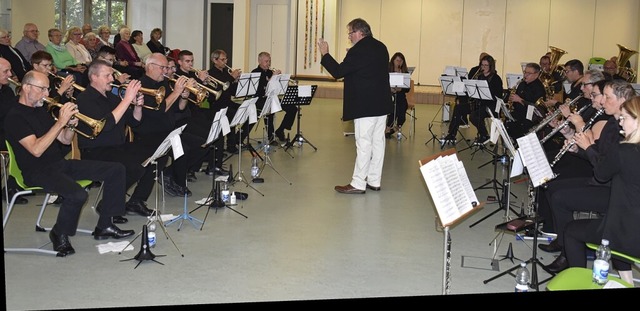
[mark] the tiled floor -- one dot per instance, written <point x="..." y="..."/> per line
<point x="293" y="239"/>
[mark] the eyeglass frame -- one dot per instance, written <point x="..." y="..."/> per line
<point x="42" y="88"/>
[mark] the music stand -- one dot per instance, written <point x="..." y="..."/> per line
<point x="220" y="124"/>
<point x="247" y="84"/>
<point x="398" y="80"/>
<point x="271" y="105"/>
<point x="173" y="142"/>
<point x="452" y="85"/>
<point x="299" y="95"/>
<point x="246" y="113"/>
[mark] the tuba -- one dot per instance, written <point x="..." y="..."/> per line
<point x="95" y="125"/>
<point x="547" y="77"/>
<point x="623" y="57"/>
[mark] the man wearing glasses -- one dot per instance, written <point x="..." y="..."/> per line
<point x="529" y="90"/>
<point x="29" y="43"/>
<point x="36" y="137"/>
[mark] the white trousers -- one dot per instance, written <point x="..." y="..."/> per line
<point x="370" y="145"/>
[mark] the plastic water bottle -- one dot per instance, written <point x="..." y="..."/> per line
<point x="522" y="278"/>
<point x="399" y="135"/>
<point x="255" y="170"/>
<point x="601" y="264"/>
<point x="232" y="198"/>
<point x="151" y="234"/>
<point x="224" y="194"/>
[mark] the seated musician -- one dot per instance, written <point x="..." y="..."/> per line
<point x="523" y="102"/>
<point x="487" y="72"/>
<point x="35" y="137"/>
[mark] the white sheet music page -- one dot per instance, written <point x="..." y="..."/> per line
<point x="440" y="192"/>
<point x="534" y="159"/>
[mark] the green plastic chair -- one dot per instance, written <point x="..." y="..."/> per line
<point x="16" y="173"/>
<point x="616" y="253"/>
<point x="577" y="278"/>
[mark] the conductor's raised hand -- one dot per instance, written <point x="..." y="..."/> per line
<point x="323" y="46"/>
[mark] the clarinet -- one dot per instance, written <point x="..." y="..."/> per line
<point x="573" y="141"/>
<point x="561" y="126"/>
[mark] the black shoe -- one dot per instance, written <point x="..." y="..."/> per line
<point x="558" y="265"/>
<point x="221" y="172"/>
<point x="136" y="207"/>
<point x="552" y="247"/>
<point x="183" y="190"/>
<point x="61" y="244"/>
<point x="21" y="200"/>
<point x="58" y="200"/>
<point x="114" y="219"/>
<point x="280" y="135"/>
<point x="111" y="232"/>
<point x="191" y="177"/>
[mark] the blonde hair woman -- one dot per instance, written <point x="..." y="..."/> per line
<point x="75" y="47"/>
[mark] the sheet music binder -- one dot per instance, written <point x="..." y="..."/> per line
<point x="451" y="85"/>
<point x="247" y="84"/>
<point x="291" y="96"/>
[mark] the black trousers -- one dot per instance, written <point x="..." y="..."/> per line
<point x="128" y="156"/>
<point x="576" y="195"/>
<point x="477" y="119"/>
<point x="60" y="177"/>
<point x="581" y="231"/>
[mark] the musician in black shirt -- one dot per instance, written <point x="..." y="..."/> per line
<point x="488" y="72"/>
<point x="223" y="73"/>
<point x="523" y="102"/>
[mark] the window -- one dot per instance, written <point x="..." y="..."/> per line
<point x="112" y="13"/>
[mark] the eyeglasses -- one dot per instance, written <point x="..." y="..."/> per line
<point x="567" y="70"/>
<point x="529" y="73"/>
<point x="595" y="95"/>
<point x="223" y="59"/>
<point x="77" y="34"/>
<point x="42" y="88"/>
<point x="352" y="32"/>
<point x="44" y="64"/>
<point x="585" y="84"/>
<point x="33" y="31"/>
<point x="161" y="66"/>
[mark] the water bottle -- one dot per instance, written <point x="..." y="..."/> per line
<point x="399" y="135"/>
<point x="224" y="194"/>
<point x="151" y="234"/>
<point x="255" y="170"/>
<point x="522" y="278"/>
<point x="601" y="264"/>
<point x="232" y="198"/>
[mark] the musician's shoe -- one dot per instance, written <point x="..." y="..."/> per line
<point x="111" y="232"/>
<point x="191" y="176"/>
<point x="280" y="135"/>
<point x="232" y="149"/>
<point x="137" y="207"/>
<point x="373" y="188"/>
<point x="61" y="244"/>
<point x="552" y="247"/>
<point x="558" y="265"/>
<point x="348" y="189"/>
<point x="481" y="140"/>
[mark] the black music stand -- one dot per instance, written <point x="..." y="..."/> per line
<point x="291" y="98"/>
<point x="220" y="124"/>
<point x="173" y="139"/>
<point x="271" y="105"/>
<point x="246" y="113"/>
<point x="452" y="85"/>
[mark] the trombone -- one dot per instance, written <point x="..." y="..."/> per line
<point x="157" y="94"/>
<point x="212" y="81"/>
<point x="95" y="125"/>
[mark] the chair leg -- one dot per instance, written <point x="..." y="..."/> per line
<point x="40" y="228"/>
<point x="4" y="223"/>
<point x="95" y="204"/>
<point x="5" y="178"/>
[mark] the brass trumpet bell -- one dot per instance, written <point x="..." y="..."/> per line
<point x="95" y="125"/>
<point x="158" y="94"/>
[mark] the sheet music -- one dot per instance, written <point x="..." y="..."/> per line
<point x="220" y="122"/>
<point x="304" y="90"/>
<point x="449" y="187"/>
<point x="513" y="79"/>
<point x="456" y="71"/>
<point x="271" y="105"/>
<point x="278" y="84"/>
<point x="246" y="110"/>
<point x="517" y="168"/>
<point x="478" y="89"/>
<point x="534" y="159"/>
<point x="500" y="105"/>
<point x="530" y="111"/>
<point x="247" y="84"/>
<point x="401" y="80"/>
<point x="452" y="85"/>
<point x="172" y="140"/>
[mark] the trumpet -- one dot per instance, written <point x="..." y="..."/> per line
<point x="95" y="125"/>
<point x="213" y="81"/>
<point x="229" y="69"/>
<point x="199" y="91"/>
<point x="573" y="141"/>
<point x="117" y="74"/>
<point x="60" y="78"/>
<point x="17" y="84"/>
<point x="157" y="94"/>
